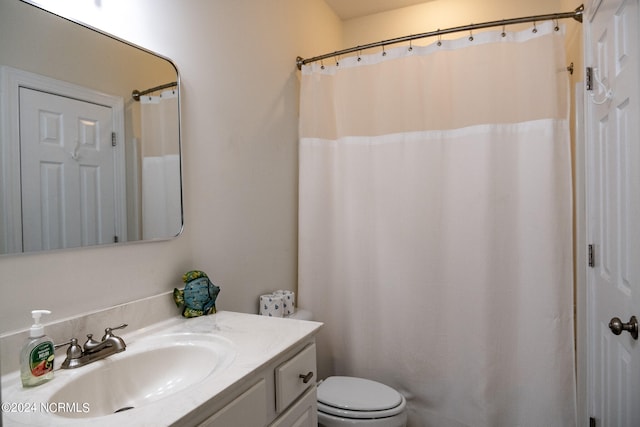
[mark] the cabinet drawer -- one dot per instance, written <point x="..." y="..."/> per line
<point x="291" y="377"/>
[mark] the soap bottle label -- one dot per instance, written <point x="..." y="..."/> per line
<point x="41" y="359"/>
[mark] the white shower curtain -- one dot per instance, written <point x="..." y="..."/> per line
<point x="161" y="204"/>
<point x="435" y="226"/>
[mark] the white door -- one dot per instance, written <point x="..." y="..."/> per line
<point x="613" y="209"/>
<point x="67" y="172"/>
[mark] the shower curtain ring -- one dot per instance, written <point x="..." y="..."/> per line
<point x="471" y="35"/>
<point x="535" y="30"/>
<point x="337" y="60"/>
<point x="410" y="45"/>
<point x="439" y="38"/>
<point x="359" y="58"/>
<point x="557" y="26"/>
<point x="384" y="53"/>
<point x="504" y="32"/>
<point x="321" y="64"/>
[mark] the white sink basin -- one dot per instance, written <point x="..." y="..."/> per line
<point x="150" y="369"/>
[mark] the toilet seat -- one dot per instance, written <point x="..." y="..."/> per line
<point x="358" y="398"/>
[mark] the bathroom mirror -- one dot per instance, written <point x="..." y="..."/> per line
<point x="83" y="162"/>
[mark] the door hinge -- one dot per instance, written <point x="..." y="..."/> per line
<point x="590" y="256"/>
<point x="115" y="239"/>
<point x="589" y="78"/>
<point x="113" y="139"/>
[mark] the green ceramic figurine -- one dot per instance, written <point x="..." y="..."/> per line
<point x="198" y="296"/>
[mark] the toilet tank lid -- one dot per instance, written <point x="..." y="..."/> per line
<point x="357" y="394"/>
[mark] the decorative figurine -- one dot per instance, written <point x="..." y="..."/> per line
<point x="199" y="294"/>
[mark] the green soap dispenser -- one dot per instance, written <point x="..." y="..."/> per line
<point x="36" y="357"/>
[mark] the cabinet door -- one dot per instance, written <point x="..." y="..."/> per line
<point x="247" y="410"/>
<point x="302" y="414"/>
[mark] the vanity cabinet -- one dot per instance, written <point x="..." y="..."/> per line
<point x="282" y="393"/>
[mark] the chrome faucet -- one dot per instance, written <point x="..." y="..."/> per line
<point x="92" y="350"/>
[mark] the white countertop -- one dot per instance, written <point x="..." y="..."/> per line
<point x="257" y="339"/>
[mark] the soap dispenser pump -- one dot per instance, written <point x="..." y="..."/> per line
<point x="36" y="357"/>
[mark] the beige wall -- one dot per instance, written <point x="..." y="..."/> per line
<point x="239" y="129"/>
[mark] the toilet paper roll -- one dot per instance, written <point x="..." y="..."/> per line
<point x="271" y="305"/>
<point x="288" y="301"/>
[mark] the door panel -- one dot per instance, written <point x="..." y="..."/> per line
<point x="67" y="172"/>
<point x="613" y="210"/>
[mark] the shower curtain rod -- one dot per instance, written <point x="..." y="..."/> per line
<point x="576" y="14"/>
<point x="136" y="94"/>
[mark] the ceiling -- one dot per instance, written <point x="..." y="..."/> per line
<point x="348" y="9"/>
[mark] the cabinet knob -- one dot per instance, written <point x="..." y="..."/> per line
<point x="306" y="378"/>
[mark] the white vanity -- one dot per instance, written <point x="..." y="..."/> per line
<point x="224" y="370"/>
<point x="275" y="395"/>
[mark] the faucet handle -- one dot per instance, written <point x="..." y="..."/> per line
<point x="90" y="343"/>
<point x="107" y="331"/>
<point x="74" y="351"/>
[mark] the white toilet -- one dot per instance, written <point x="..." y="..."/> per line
<point x="351" y="401"/>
